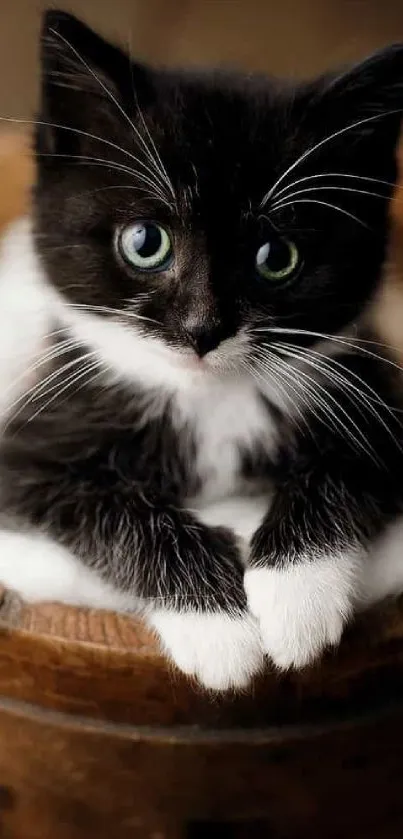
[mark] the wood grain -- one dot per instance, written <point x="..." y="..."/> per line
<point x="108" y="667"/>
<point x="65" y="776"/>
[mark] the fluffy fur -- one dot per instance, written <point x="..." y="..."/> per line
<point x="214" y="445"/>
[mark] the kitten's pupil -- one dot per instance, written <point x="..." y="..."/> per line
<point x="146" y="239"/>
<point x="274" y="255"/>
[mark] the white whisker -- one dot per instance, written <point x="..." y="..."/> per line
<point x="292" y="195"/>
<point x="131" y="187"/>
<point x="157" y="158"/>
<point x="74" y="131"/>
<point x="321" y="143"/>
<point x="118" y="167"/>
<point x="283" y="330"/>
<point x="355" y="394"/>
<point x="304" y="390"/>
<point x="109" y="310"/>
<point x="329" y="398"/>
<point x="59" y="349"/>
<point x="44" y="389"/>
<point x="277" y="374"/>
<point x="68" y="383"/>
<point x="308" y="178"/>
<point x="164" y="172"/>
<point x="322" y="204"/>
<point x="116" y="102"/>
<point x="111" y="164"/>
<point x="323" y="358"/>
<point x="41" y="388"/>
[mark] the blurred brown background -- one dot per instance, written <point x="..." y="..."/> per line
<point x="296" y="37"/>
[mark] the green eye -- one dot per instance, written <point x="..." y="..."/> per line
<point x="277" y="260"/>
<point x="146" y="246"/>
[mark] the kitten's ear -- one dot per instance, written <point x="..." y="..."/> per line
<point x="368" y="97"/>
<point x="84" y="80"/>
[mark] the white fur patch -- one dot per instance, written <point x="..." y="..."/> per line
<point x="128" y="353"/>
<point x="382" y="571"/>
<point x="224" y="411"/>
<point x="227" y="416"/>
<point x="40" y="569"/>
<point x="241" y="514"/>
<point x="24" y="313"/>
<point x="222" y="652"/>
<point x="302" y="608"/>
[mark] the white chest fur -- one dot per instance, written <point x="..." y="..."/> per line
<point x="228" y="417"/>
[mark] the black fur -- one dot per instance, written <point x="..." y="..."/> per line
<point x="89" y="468"/>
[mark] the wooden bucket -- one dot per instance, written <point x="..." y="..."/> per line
<point x="101" y="737"/>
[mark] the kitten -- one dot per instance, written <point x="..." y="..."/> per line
<point x="214" y="437"/>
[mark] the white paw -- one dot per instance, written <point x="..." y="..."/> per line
<point x="221" y="651"/>
<point x="302" y="608"/>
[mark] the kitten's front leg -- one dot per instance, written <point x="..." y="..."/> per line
<point x="307" y="558"/>
<point x="197" y="605"/>
<point x="185" y="578"/>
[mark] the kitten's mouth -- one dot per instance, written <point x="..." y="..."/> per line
<point x="212" y="364"/>
<point x="226" y="359"/>
<point x="191" y="361"/>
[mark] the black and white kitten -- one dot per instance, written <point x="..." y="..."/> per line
<point x="213" y="435"/>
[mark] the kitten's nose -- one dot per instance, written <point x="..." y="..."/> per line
<point x="203" y="337"/>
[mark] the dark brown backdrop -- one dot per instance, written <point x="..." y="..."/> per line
<point x="290" y="36"/>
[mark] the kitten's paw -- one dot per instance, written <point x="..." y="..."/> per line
<point x="302" y="608"/>
<point x="221" y="651"/>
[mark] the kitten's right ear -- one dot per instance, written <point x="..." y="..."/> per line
<point x="83" y="80"/>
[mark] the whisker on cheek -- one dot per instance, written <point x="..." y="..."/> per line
<point x="152" y="155"/>
<point x="366" y="121"/>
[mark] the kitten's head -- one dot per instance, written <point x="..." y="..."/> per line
<point x="184" y="217"/>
